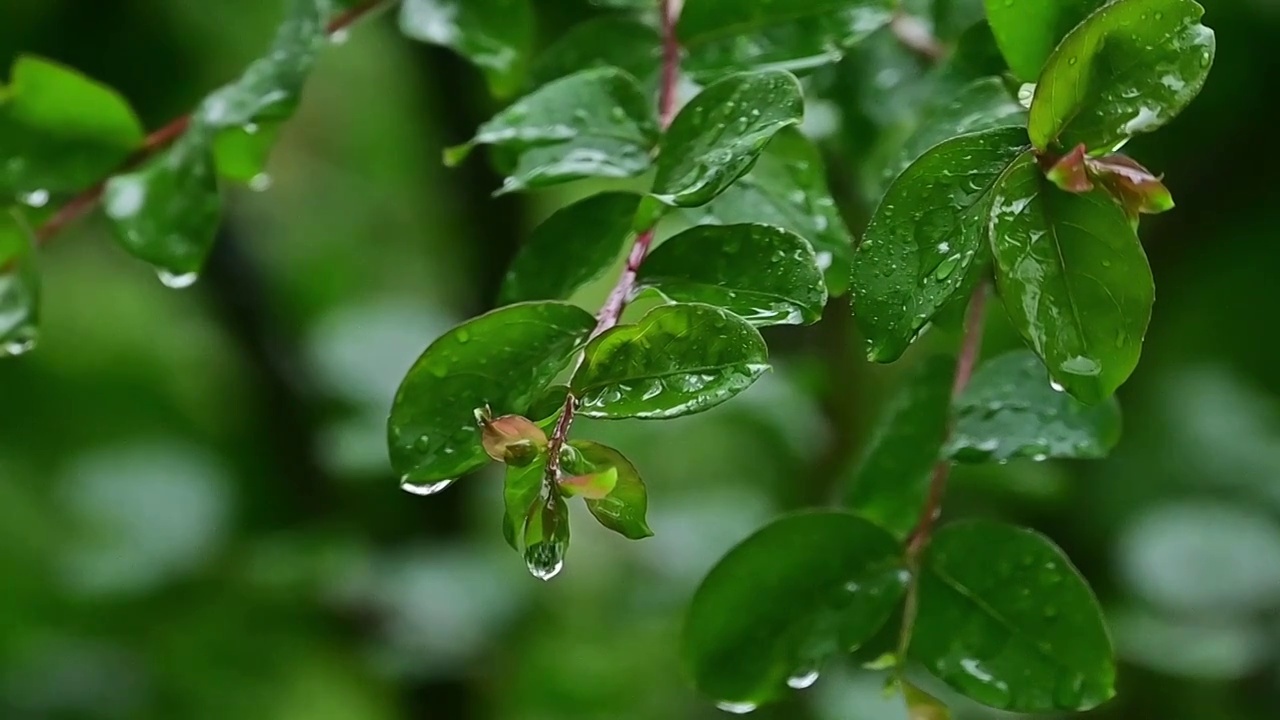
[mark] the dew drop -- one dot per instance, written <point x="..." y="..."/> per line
<point x="545" y="560"/>
<point x="737" y="708"/>
<point x="1057" y="386"/>
<point x="260" y="182"/>
<point x="1072" y="61"/>
<point x="338" y="37"/>
<point x="802" y="680"/>
<point x="36" y="198"/>
<point x="429" y="488"/>
<point x="18" y="346"/>
<point x="177" y="281"/>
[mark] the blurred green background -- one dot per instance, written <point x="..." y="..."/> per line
<point x="197" y="520"/>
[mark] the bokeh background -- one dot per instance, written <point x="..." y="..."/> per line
<point x="197" y="520"/>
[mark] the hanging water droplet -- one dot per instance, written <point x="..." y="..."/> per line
<point x="428" y="488"/>
<point x="36" y="198"/>
<point x="802" y="680"/>
<point x="545" y="560"/>
<point x="1057" y="386"/>
<point x="21" y="342"/>
<point x="260" y="182"/>
<point x="177" y="281"/>
<point x="338" y="37"/>
<point x="737" y="708"/>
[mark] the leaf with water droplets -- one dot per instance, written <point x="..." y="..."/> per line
<point x="571" y="248"/>
<point x="805" y="587"/>
<point x="722" y="36"/>
<point x="1129" y="68"/>
<point x="241" y="153"/>
<point x="925" y="237"/>
<point x="167" y="212"/>
<point x="891" y="481"/>
<point x="609" y="41"/>
<point x="1073" y="278"/>
<point x="59" y="130"/>
<point x="595" y="123"/>
<point x="763" y="274"/>
<point x="495" y="35"/>
<point x="503" y="360"/>
<point x="1028" y="30"/>
<point x="622" y="509"/>
<point x="1005" y="619"/>
<point x="19" y="285"/>
<point x="718" y="136"/>
<point x="546" y="535"/>
<point x="1009" y="411"/>
<point x="676" y="360"/>
<point x="787" y="188"/>
<point x="520" y="488"/>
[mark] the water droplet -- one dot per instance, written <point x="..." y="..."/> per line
<point x="1050" y="612"/>
<point x="429" y="488"/>
<point x="259" y="182"/>
<point x="1039" y="457"/>
<point x="22" y="342"/>
<point x="36" y="198"/>
<point x="946" y="267"/>
<point x="1057" y="386"/>
<point x="545" y="560"/>
<point x="802" y="680"/>
<point x="737" y="708"/>
<point x="1073" y="61"/>
<point x="338" y="37"/>
<point x="462" y="335"/>
<point x="177" y="281"/>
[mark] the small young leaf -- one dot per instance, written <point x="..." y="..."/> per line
<point x="1010" y="411"/>
<point x="727" y="35"/>
<point x="923" y="706"/>
<point x="1136" y="188"/>
<point x="788" y="188"/>
<point x="571" y="248"/>
<point x="59" y="130"/>
<point x="925" y="236"/>
<point x="1005" y="619"/>
<point x="890" y="483"/>
<point x="520" y="489"/>
<point x="622" y="509"/>
<point x="1029" y="30"/>
<point x="1129" y="68"/>
<point x="803" y="588"/>
<point x="511" y="439"/>
<point x="1070" y="172"/>
<point x="19" y="286"/>
<point x="1073" y="278"/>
<point x="546" y="536"/>
<point x="595" y="123"/>
<point x="763" y="274"/>
<point x="717" y="137"/>
<point x="495" y="35"/>
<point x="677" y="360"/>
<point x="592" y="486"/>
<point x="503" y="360"/>
<point x="608" y="41"/>
<point x="167" y="212"/>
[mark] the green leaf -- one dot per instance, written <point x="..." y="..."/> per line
<point x="608" y="41"/>
<point x="520" y="489"/>
<point x="723" y="36"/>
<point x="717" y="137"/>
<point x="1005" y="619"/>
<point x="596" y="123"/>
<point x="803" y="588"/>
<point x="59" y="130"/>
<point x="495" y="35"/>
<point x="788" y="188"/>
<point x="19" y="285"/>
<point x="1010" y="411"/>
<point x="623" y="509"/>
<point x="241" y="153"/>
<point x="763" y="274"/>
<point x="167" y="212"/>
<point x="891" y="481"/>
<point x="546" y="536"/>
<point x="1073" y="278"/>
<point x="1028" y="30"/>
<point x="925" y="236"/>
<point x="1130" y="68"/>
<point x="503" y="359"/>
<point x="571" y="248"/>
<point x="677" y="360"/>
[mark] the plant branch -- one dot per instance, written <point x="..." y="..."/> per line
<point x="916" y="36"/>
<point x="80" y="205"/>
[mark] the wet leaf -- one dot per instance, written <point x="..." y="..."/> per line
<point x="520" y="489"/>
<point x="609" y="41"/>
<point x="1009" y="411"/>
<point x="595" y="123"/>
<point x="925" y="236"/>
<point x="19" y="285"/>
<point x="511" y="439"/>
<point x="892" y="479"/>
<point x="1129" y="68"/>
<point x="677" y="360"/>
<point x="1070" y="172"/>
<point x="722" y="36"/>
<point x="1006" y="620"/>
<point x="1028" y="30"/>
<point x="622" y="509"/>
<point x="788" y="188"/>
<point x="241" y="154"/>
<point x="495" y="35"/>
<point x="803" y="588"/>
<point x="592" y="486"/>
<point x="546" y="536"/>
<point x="59" y="130"/>
<point x="717" y="137"/>
<point x="503" y="359"/>
<point x="1136" y="188"/>
<point x="574" y="246"/>
<point x="1073" y="277"/>
<point x="763" y="274"/>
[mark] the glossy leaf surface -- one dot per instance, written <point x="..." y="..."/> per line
<point x="1129" y="68"/>
<point x="503" y="359"/>
<point x="595" y="123"/>
<point x="520" y="489"/>
<point x="574" y="246"/>
<point x="1005" y="619"/>
<point x="19" y="286"/>
<point x="623" y="509"/>
<point x="717" y="137"/>
<point x="1009" y="411"/>
<point x="803" y="588"/>
<point x="241" y="153"/>
<point x="981" y="105"/>
<point x="1073" y="277"/>
<point x="924" y="237"/>
<point x="677" y="360"/>
<point x="763" y="274"/>
<point x="1028" y="30"/>
<point x="495" y="35"/>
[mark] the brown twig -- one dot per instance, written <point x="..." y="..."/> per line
<point x="81" y="204"/>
